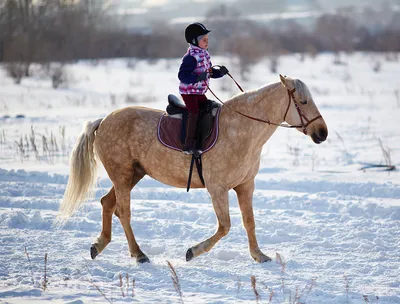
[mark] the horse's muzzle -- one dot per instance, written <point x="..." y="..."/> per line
<point x="320" y="136"/>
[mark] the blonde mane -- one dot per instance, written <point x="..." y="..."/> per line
<point x="256" y="95"/>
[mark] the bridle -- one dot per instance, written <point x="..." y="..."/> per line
<point x="305" y="122"/>
<point x="301" y="114"/>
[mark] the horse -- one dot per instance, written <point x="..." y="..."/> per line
<point x="126" y="143"/>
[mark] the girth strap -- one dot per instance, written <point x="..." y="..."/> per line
<point x="199" y="167"/>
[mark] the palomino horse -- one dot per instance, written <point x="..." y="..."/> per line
<point x="126" y="143"/>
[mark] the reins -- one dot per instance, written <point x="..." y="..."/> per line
<point x="284" y="125"/>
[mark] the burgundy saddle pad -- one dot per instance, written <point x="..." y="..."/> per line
<point x="169" y="133"/>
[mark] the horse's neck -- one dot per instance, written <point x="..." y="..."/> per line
<point x="266" y="103"/>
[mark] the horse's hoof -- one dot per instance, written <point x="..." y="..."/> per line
<point x="262" y="259"/>
<point x="93" y="252"/>
<point x="266" y="259"/>
<point x="189" y="255"/>
<point x="142" y="259"/>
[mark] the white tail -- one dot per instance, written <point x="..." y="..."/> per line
<point x="83" y="172"/>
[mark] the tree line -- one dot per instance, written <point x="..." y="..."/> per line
<point x="67" y="30"/>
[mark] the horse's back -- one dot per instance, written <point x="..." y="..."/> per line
<point x="127" y="132"/>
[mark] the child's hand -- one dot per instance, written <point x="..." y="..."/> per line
<point x="223" y="70"/>
<point x="202" y="76"/>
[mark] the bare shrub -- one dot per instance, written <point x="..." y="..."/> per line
<point x="377" y="67"/>
<point x="131" y="99"/>
<point x="273" y="64"/>
<point x="397" y="94"/>
<point x="113" y="99"/>
<point x="58" y="76"/>
<point x="16" y="71"/>
<point x="131" y="63"/>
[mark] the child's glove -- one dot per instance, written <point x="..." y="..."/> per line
<point x="223" y="70"/>
<point x="202" y="76"/>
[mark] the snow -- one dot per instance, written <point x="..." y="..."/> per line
<point x="335" y="226"/>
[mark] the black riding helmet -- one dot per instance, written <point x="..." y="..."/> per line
<point x="193" y="31"/>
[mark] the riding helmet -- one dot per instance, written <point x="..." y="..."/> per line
<point x="193" y="31"/>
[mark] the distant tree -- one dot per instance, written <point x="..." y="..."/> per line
<point x="294" y="38"/>
<point x="247" y="49"/>
<point x="336" y="33"/>
<point x="224" y="22"/>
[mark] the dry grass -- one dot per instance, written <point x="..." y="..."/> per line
<point x="386" y="154"/>
<point x="347" y="285"/>
<point x="2" y="138"/>
<point x="295" y="152"/>
<point x="101" y="292"/>
<point x="253" y="285"/>
<point x="30" y="266"/>
<point x="121" y="285"/>
<point x="175" y="281"/>
<point x="40" y="147"/>
<point x="238" y="285"/>
<point x="45" y="281"/>
<point x="299" y="296"/>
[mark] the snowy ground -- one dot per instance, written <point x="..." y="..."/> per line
<point x="337" y="227"/>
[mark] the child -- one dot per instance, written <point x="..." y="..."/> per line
<point x="194" y="75"/>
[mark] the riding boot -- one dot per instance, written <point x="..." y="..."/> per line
<point x="190" y="140"/>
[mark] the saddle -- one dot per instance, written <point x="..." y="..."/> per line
<point x="172" y="129"/>
<point x="172" y="125"/>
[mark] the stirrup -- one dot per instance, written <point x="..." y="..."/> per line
<point x="196" y="153"/>
<point x="188" y="152"/>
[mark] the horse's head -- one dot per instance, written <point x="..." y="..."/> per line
<point x="302" y="111"/>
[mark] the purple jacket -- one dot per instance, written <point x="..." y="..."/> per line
<point x="194" y="62"/>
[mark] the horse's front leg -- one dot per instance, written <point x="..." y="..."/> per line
<point x="220" y="202"/>
<point x="245" y="197"/>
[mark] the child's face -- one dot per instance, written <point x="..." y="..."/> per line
<point x="203" y="43"/>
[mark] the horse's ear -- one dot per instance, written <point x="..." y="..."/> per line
<point x="283" y="80"/>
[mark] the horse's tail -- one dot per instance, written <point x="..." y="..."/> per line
<point x="83" y="172"/>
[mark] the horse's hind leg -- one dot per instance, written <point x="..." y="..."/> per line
<point x="123" y="185"/>
<point x="245" y="197"/>
<point x="220" y="202"/>
<point x="109" y="205"/>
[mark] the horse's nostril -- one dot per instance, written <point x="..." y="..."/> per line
<point x="322" y="134"/>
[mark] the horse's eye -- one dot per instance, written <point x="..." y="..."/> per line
<point x="303" y="101"/>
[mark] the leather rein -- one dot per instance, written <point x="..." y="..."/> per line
<point x="305" y="122"/>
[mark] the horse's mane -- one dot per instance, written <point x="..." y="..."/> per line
<point x="255" y="95"/>
<point x="258" y="94"/>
